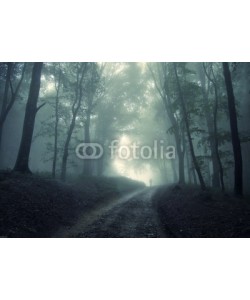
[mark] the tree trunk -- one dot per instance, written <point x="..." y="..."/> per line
<point x="22" y="162"/>
<point x="211" y="134"/>
<point x="175" y="177"/>
<point x="221" y="171"/>
<point x="87" y="165"/>
<point x="185" y="116"/>
<point x="56" y="127"/>
<point x="7" y="104"/>
<point x="238" y="180"/>
<point x="218" y="173"/>
<point x="189" y="173"/>
<point x="181" y="169"/>
<point x="75" y="108"/>
<point x="66" y="148"/>
<point x="194" y="175"/>
<point x="5" y="98"/>
<point x="164" y="94"/>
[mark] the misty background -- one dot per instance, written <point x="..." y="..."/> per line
<point x="128" y="102"/>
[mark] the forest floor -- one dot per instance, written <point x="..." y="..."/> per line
<point x="35" y="206"/>
<point x="189" y="212"/>
<point x="32" y="206"/>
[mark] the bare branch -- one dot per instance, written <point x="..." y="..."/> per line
<point x="155" y="81"/>
<point x="40" y="106"/>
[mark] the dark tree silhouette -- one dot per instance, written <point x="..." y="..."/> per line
<point x="81" y="72"/>
<point x="185" y="117"/>
<point x="238" y="181"/>
<point x="213" y="131"/>
<point x="22" y="162"/>
<point x="57" y="87"/>
<point x="8" y="101"/>
<point x="178" y="130"/>
<point x="90" y="103"/>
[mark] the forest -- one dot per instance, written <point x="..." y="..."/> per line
<point x="125" y="149"/>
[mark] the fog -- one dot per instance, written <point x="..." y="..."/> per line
<point x="145" y="119"/>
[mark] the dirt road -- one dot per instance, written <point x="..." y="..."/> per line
<point x="132" y="215"/>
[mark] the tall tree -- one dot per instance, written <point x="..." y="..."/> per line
<point x="177" y="128"/>
<point x="213" y="130"/>
<point x="57" y="88"/>
<point x="204" y="77"/>
<point x="22" y="162"/>
<point x="89" y="105"/>
<point x="186" y="121"/>
<point x="10" y="93"/>
<point x="238" y="180"/>
<point x="81" y="69"/>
